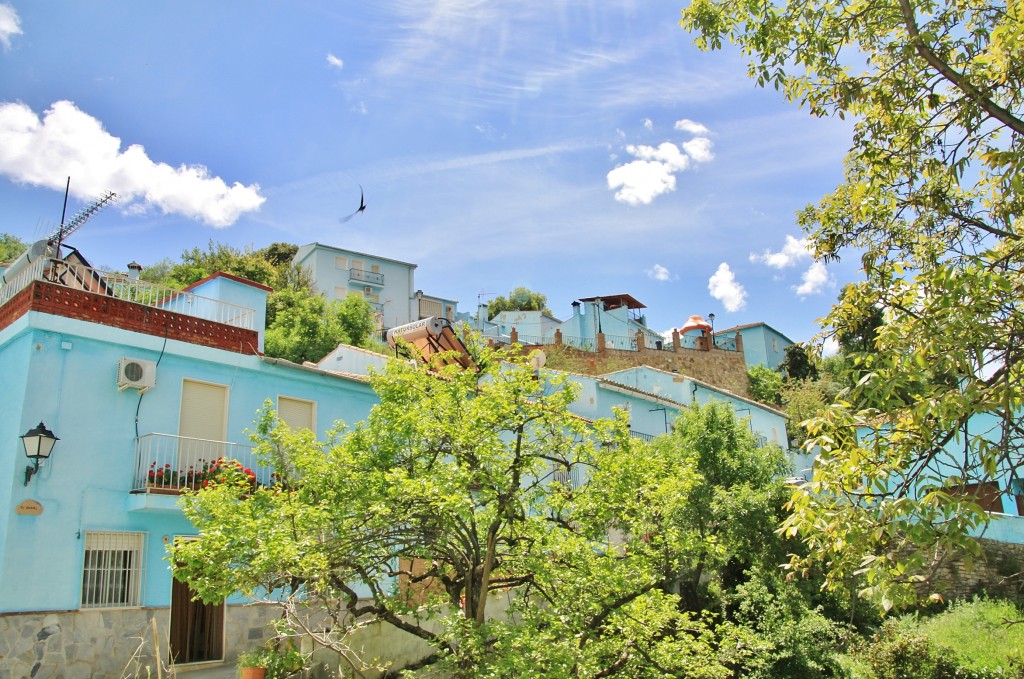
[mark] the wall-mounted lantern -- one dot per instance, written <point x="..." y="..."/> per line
<point x="38" y="444"/>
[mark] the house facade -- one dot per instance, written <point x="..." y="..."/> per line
<point x="616" y="317"/>
<point x="387" y="284"/>
<point x="144" y="388"/>
<point x="762" y="344"/>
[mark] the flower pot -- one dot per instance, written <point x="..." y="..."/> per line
<point x="159" y="489"/>
<point x="253" y="672"/>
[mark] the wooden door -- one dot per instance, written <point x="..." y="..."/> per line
<point x="197" y="629"/>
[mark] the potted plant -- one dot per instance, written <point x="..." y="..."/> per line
<point x="253" y="664"/>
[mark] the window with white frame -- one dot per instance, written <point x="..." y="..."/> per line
<point x="112" y="569"/>
<point x="341" y="263"/>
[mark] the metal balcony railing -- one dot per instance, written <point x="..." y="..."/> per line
<point x="119" y="286"/>
<point x="165" y="463"/>
<point x="581" y="343"/>
<point x="725" y="343"/>
<point x="371" y="277"/>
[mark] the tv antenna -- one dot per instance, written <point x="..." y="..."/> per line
<point x="79" y="219"/>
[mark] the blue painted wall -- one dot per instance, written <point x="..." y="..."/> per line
<point x="762" y="345"/>
<point x="766" y="422"/>
<point x="63" y="372"/>
<point x="396" y="295"/>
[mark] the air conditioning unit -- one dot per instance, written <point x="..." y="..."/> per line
<point x="136" y="373"/>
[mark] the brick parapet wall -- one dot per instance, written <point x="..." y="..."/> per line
<point x="53" y="299"/>
<point x="15" y="308"/>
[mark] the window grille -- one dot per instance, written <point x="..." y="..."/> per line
<point x="112" y="570"/>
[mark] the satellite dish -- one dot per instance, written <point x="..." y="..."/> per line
<point x="537" y="359"/>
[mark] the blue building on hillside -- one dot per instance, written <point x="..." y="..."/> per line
<point x="762" y="344"/>
<point x="387" y="284"/>
<point x="143" y="388"/>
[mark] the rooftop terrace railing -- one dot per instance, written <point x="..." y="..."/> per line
<point x="119" y="286"/>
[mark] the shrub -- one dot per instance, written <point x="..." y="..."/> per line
<point x="902" y="650"/>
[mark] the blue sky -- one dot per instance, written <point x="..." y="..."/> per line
<point x="578" y="148"/>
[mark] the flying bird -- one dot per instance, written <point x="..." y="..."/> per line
<point x="362" y="206"/>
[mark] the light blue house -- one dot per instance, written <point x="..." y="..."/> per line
<point x="662" y="389"/>
<point x="998" y="491"/>
<point x="762" y="344"/>
<point x="531" y="327"/>
<point x="387" y="284"/>
<point x="616" y="317"/>
<point x="141" y="398"/>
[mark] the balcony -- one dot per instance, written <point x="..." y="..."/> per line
<point x="61" y="288"/>
<point x="166" y="464"/>
<point x="370" y="277"/>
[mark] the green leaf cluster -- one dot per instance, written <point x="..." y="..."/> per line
<point x="930" y="203"/>
<point x="302" y="325"/>
<point x="520" y="299"/>
<point x="473" y="510"/>
<point x="11" y="247"/>
<point x="765" y="385"/>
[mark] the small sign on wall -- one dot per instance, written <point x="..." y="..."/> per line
<point x="30" y="507"/>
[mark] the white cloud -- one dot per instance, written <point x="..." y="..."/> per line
<point x="723" y="286"/>
<point x="792" y="252"/>
<point x="648" y="124"/>
<point x="814" y="280"/>
<point x="335" y="62"/>
<point x="660" y="273"/>
<point x="692" y="127"/>
<point x="699" y="149"/>
<point x="10" y="24"/>
<point x="67" y="141"/>
<point x="641" y="181"/>
<point x="654" y="171"/>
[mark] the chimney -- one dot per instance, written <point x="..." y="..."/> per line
<point x="134" y="270"/>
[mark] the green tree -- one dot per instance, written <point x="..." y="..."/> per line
<point x="160" y="272"/>
<point x="278" y="254"/>
<point x="765" y="384"/>
<point x="733" y="504"/>
<point x="467" y="490"/>
<point x="931" y="203"/>
<point x="306" y="327"/>
<point x="520" y="299"/>
<point x="11" y="247"/>
<point x="798" y="364"/>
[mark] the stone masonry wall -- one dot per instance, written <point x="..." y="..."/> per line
<point x="724" y="369"/>
<point x="1000" y="573"/>
<point x="107" y="642"/>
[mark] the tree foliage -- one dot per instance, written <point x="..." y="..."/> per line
<point x="765" y="384"/>
<point x="468" y="492"/>
<point x="307" y="327"/>
<point x="302" y="325"/>
<point x="931" y="201"/>
<point x="520" y="299"/>
<point x="11" y="247"/>
<point x="798" y="364"/>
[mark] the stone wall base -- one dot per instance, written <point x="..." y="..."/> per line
<point x="109" y="642"/>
